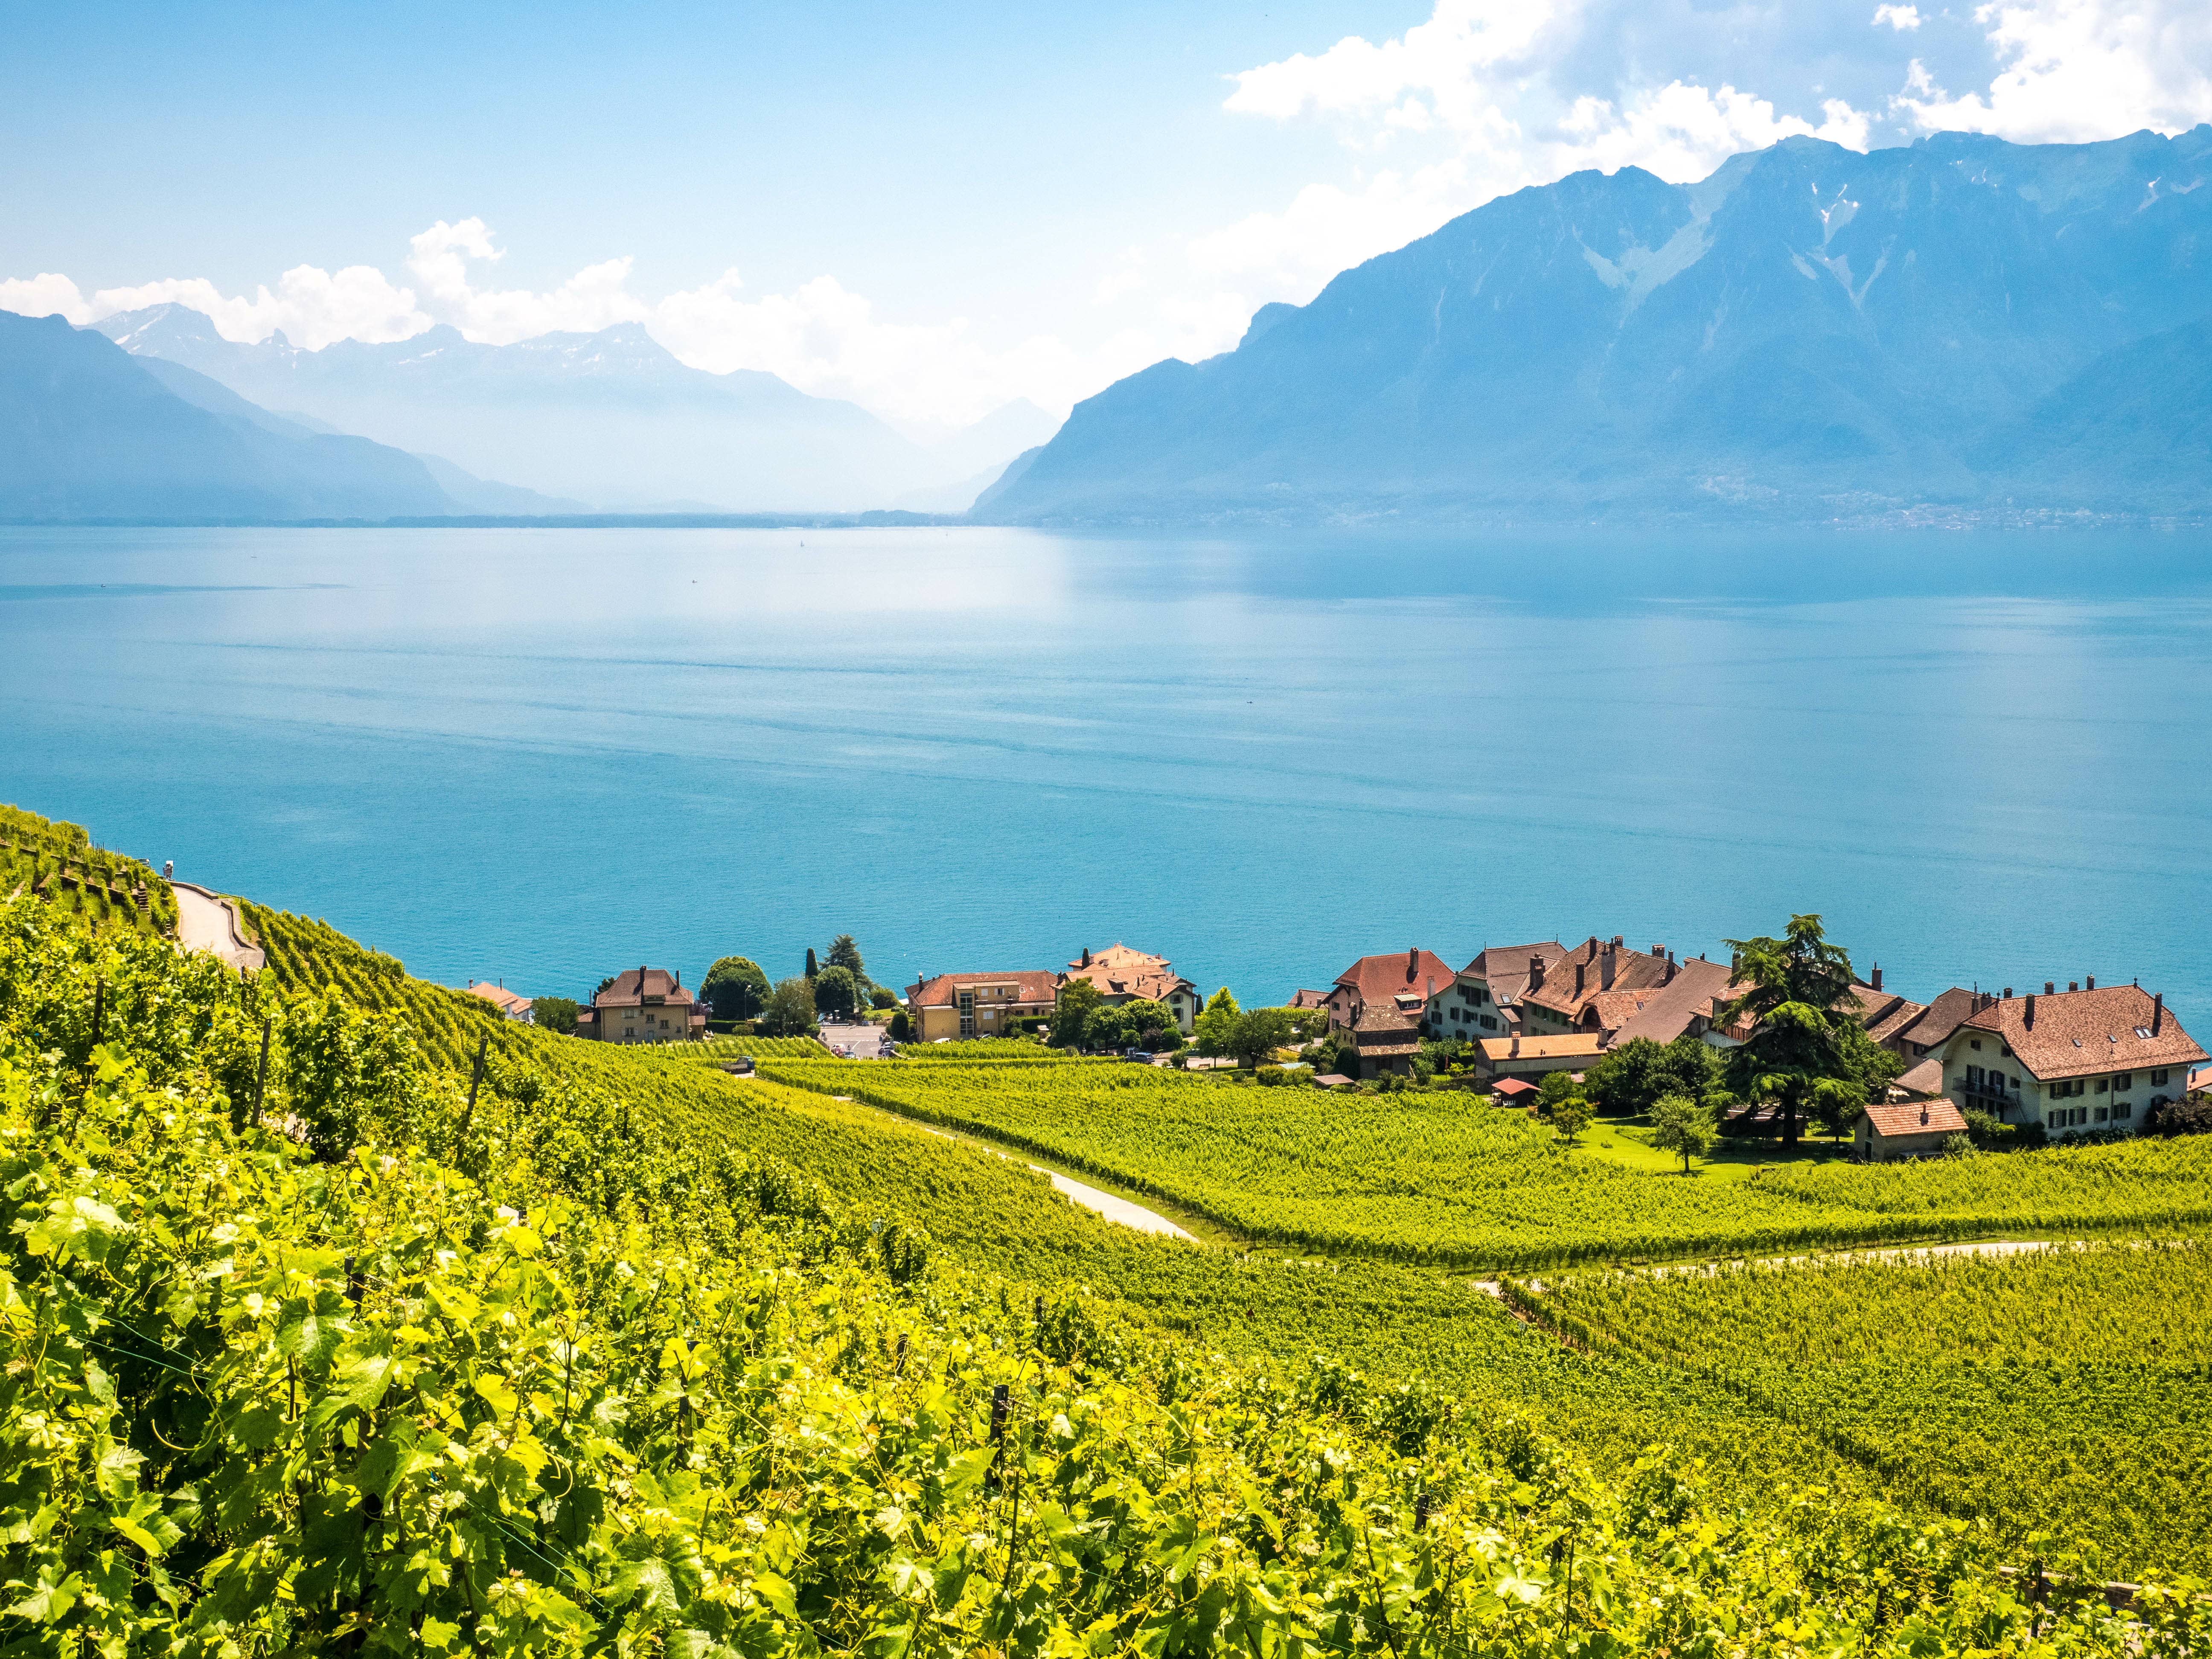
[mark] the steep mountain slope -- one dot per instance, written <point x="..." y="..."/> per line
<point x="465" y="491"/>
<point x="610" y="417"/>
<point x="87" y="433"/>
<point x="1808" y="331"/>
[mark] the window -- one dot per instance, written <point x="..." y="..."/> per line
<point x="2122" y="1081"/>
<point x="2101" y="1115"/>
<point x="1975" y="1043"/>
<point x="2103" y="1083"/>
<point x="2016" y="1084"/>
<point x="2121" y="1111"/>
<point x="2158" y="1079"/>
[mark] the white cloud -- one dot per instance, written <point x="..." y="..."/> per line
<point x="1899" y="18"/>
<point x="43" y="295"/>
<point x="2074" y="71"/>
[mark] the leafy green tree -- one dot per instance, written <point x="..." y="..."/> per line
<point x="1217" y="1023"/>
<point x="1682" y="1124"/>
<point x="1152" y="1024"/>
<point x="1256" y="1033"/>
<point x="554" y="1014"/>
<point x="1571" y="1115"/>
<point x="834" y="993"/>
<point x="1629" y="1078"/>
<point x="736" y="987"/>
<point x="1070" y="1014"/>
<point x="1110" y="1027"/>
<point x="843" y="953"/>
<point x="1553" y="1087"/>
<point x="790" y="1009"/>
<point x="902" y="1027"/>
<point x="1806" y="1054"/>
<point x="881" y="997"/>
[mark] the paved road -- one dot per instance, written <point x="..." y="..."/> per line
<point x="860" y="1042"/>
<point x="206" y="922"/>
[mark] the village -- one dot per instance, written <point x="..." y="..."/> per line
<point x="1524" y="1025"/>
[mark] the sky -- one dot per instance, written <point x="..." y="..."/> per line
<point x="932" y="209"/>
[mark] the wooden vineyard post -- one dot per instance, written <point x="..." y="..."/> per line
<point x="475" y="1077"/>
<point x="261" y="1074"/>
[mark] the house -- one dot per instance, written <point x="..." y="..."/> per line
<point x="643" y="1004"/>
<point x="1884" y="1015"/>
<point x="1679" y="1005"/>
<point x="1500" y="1059"/>
<point x="1483" y="998"/>
<point x="516" y="1007"/>
<point x="1932" y="1028"/>
<point x="1909" y="1128"/>
<point x="942" y="1006"/>
<point x="2081" y="1061"/>
<point x="1595" y="987"/>
<point x="1381" y="1004"/>
<point x="1122" y="975"/>
<point x="1302" y="999"/>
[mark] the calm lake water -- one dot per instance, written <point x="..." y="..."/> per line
<point x="542" y="755"/>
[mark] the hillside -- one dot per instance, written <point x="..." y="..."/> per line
<point x="1964" y="325"/>
<point x="609" y="417"/>
<point x="87" y="433"/>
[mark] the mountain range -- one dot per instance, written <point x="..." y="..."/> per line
<point x="610" y="417"/>
<point x="1961" y="326"/>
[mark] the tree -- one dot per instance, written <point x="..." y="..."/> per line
<point x="834" y="993"/>
<point x="902" y="1027"/>
<point x="554" y="1014"/>
<point x="1805" y="1052"/>
<point x="1070" y="1014"/>
<point x="1256" y="1033"/>
<point x="1682" y="1124"/>
<point x="735" y="988"/>
<point x="1573" y="1115"/>
<point x="1217" y="1023"/>
<point x="810" y="969"/>
<point x="881" y="997"/>
<point x="1553" y="1087"/>
<point x="1109" y="1028"/>
<point x="1152" y="1024"/>
<point x="1630" y="1077"/>
<point x="790" y="1009"/>
<point x="843" y="953"/>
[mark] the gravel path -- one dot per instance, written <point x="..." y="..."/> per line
<point x="206" y="922"/>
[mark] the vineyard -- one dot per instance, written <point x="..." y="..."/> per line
<point x="1440" y="1178"/>
<point x="2058" y="1396"/>
<point x="58" y="864"/>
<point x="532" y="1376"/>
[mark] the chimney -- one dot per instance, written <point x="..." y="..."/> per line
<point x="1580" y="970"/>
<point x="1413" y="963"/>
<point x="1606" y="968"/>
<point x="1735" y="962"/>
<point x="2008" y="996"/>
<point x="2028" y="1019"/>
<point x="1616" y="941"/>
<point x="2157" y="1013"/>
<point x="1659" y="951"/>
<point x="1877" y="976"/>
<point x="2091" y="981"/>
<point x="1535" y="973"/>
<point x="2073" y="984"/>
<point x="1514" y="1052"/>
<point x="2050" y="986"/>
<point x="1923" y="1112"/>
<point x="1669" y="979"/>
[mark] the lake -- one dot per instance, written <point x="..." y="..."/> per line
<point x="541" y="756"/>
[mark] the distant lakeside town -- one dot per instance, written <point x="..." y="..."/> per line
<point x="1783" y="1034"/>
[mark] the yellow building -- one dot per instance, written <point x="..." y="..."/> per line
<point x="643" y="1004"/>
<point x="956" y="1005"/>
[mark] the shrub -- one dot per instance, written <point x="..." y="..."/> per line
<point x="902" y="1028"/>
<point x="2181" y="1117"/>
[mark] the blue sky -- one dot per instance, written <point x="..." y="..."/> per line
<point x="931" y="208"/>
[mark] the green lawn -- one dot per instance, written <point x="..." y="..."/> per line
<point x="1628" y="1140"/>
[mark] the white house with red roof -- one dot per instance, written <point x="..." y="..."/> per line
<point x="2086" y="1061"/>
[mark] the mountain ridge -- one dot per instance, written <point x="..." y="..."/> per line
<point x="1808" y="331"/>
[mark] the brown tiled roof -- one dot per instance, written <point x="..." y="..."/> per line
<point x="1305" y="999"/>
<point x="1038" y="985"/>
<point x="1504" y="968"/>
<point x="1916" y="1117"/>
<point x="2076" y="1033"/>
<point x="1119" y="971"/>
<point x="1578" y="1045"/>
<point x="1609" y="1011"/>
<point x="1667" y="1013"/>
<point x="1940" y="1018"/>
<point x="1925" y="1078"/>
<point x="660" y="986"/>
<point x="1883" y="1014"/>
<point x="1597" y="965"/>
<point x="1379" y="979"/>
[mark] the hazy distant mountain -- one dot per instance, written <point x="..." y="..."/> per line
<point x="464" y="491"/>
<point x="86" y="432"/>
<point x="610" y="417"/>
<point x="976" y="457"/>
<point x="1966" y="324"/>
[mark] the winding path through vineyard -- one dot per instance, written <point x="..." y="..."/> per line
<point x="206" y="921"/>
<point x="1900" y="1253"/>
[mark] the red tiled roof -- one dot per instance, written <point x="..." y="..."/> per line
<point x="1379" y="979"/>
<point x="1924" y="1078"/>
<point x="1916" y="1117"/>
<point x="1595" y="966"/>
<point x="1667" y="1011"/>
<point x="2078" y="1033"/>
<point x="1037" y="985"/>
<point x="1119" y="971"/>
<point x="1940" y="1018"/>
<point x="1304" y="998"/>
<point x="1503" y="969"/>
<point x="499" y="996"/>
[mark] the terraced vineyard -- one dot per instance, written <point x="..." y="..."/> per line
<point x="1439" y="1178"/>
<point x="57" y="864"/>
<point x="2061" y="1396"/>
